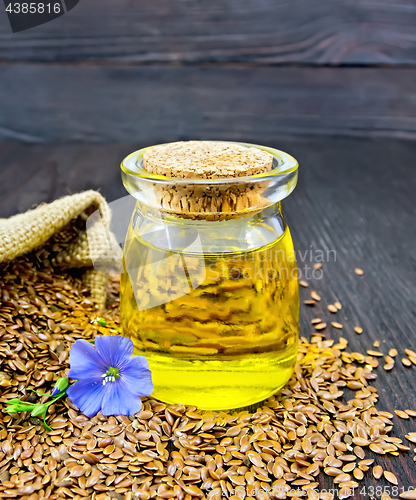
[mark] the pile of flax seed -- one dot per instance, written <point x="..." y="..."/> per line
<point x="324" y="422"/>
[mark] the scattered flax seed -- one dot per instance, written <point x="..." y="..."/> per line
<point x="377" y="471"/>
<point x="320" y="326"/>
<point x="331" y="308"/>
<point x="401" y="414"/>
<point x="370" y="352"/>
<point x="393" y="353"/>
<point x="358" y="474"/>
<point x="410" y="494"/>
<point x="304" y="283"/>
<point x="411" y="437"/>
<point x="389" y="359"/>
<point x="359" y="441"/>
<point x="336" y="325"/>
<point x="406" y="362"/>
<point x="358" y="271"/>
<point x="377" y="448"/>
<point x="376" y="343"/>
<point x="349" y="467"/>
<point x="315" y="321"/>
<point x="388" y="366"/>
<point x="315" y="296"/>
<point x="358" y="329"/>
<point x="391" y="478"/>
<point x="317" y="265"/>
<point x="366" y="463"/>
<point x="372" y="361"/>
<point x="309" y="427"/>
<point x="411" y="413"/>
<point x="413" y="359"/>
<point x="409" y="352"/>
<point x="309" y="302"/>
<point x="338" y="305"/>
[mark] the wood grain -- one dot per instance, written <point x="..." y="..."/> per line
<point x="355" y="197"/>
<point x="43" y="102"/>
<point x="261" y="31"/>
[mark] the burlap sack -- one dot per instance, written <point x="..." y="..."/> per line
<point x="61" y="227"/>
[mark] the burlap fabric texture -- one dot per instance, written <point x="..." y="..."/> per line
<point x="59" y="228"/>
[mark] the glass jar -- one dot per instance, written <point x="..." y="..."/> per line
<point x="209" y="293"/>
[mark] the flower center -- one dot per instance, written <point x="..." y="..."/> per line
<point x="110" y="375"/>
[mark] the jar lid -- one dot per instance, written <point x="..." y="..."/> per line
<point x="206" y="160"/>
<point x="212" y="195"/>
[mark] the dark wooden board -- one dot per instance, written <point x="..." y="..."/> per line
<point x="355" y="197"/>
<point x="43" y="102"/>
<point x="264" y="31"/>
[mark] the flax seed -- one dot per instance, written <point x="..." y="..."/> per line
<point x="410" y="494"/>
<point x="358" y="329"/>
<point x="401" y="414"/>
<point x="377" y="471"/>
<point x="358" y="474"/>
<point x="315" y="321"/>
<point x="309" y="302"/>
<point x="391" y="478"/>
<point x="374" y="353"/>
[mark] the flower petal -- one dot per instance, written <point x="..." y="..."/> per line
<point x="118" y="400"/>
<point x="87" y="395"/>
<point x="137" y="377"/>
<point x="114" y="349"/>
<point x="85" y="362"/>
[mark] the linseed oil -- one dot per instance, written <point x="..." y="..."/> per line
<point x="219" y="329"/>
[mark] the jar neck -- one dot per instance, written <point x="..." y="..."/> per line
<point x="174" y="233"/>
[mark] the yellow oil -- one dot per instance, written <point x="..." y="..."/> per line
<point x="220" y="330"/>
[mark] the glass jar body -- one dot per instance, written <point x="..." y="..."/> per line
<point x="213" y="305"/>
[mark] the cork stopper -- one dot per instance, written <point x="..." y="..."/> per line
<point x="206" y="160"/>
<point x="209" y="160"/>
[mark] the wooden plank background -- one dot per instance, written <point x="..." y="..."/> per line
<point x="250" y="70"/>
<point x="152" y="104"/>
<point x="266" y="31"/>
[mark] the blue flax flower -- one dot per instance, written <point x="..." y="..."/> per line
<point x="108" y="377"/>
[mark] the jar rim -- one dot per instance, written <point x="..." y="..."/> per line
<point x="284" y="164"/>
<point x="211" y="199"/>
